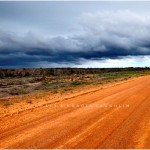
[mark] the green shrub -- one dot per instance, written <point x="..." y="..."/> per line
<point x="76" y="83"/>
<point x="18" y="91"/>
<point x="10" y="83"/>
<point x="45" y="83"/>
<point x="7" y="103"/>
<point x="54" y="91"/>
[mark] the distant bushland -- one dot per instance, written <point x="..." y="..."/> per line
<point x="36" y="72"/>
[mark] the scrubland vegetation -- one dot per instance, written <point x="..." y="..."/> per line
<point x="25" y="81"/>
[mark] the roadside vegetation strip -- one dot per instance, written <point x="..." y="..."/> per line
<point x="70" y="96"/>
<point x="57" y="84"/>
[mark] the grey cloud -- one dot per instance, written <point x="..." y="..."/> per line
<point x="106" y="34"/>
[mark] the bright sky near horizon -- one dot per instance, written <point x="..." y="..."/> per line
<point x="74" y="34"/>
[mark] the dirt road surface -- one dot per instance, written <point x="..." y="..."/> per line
<point x="115" y="117"/>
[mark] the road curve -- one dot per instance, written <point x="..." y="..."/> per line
<point x="115" y="117"/>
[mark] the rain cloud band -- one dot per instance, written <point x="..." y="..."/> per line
<point x="104" y="35"/>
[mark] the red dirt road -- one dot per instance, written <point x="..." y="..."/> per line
<point x="115" y="117"/>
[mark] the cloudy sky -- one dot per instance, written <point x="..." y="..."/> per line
<point x="74" y="34"/>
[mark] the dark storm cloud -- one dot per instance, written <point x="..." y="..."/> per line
<point x="105" y="35"/>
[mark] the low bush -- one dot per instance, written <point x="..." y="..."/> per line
<point x="76" y="83"/>
<point x="18" y="91"/>
<point x="7" y="103"/>
<point x="29" y="101"/>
